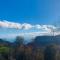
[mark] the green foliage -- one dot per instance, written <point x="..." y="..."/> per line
<point x="4" y="49"/>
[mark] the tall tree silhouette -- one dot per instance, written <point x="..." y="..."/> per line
<point x="19" y="40"/>
<point x="50" y="53"/>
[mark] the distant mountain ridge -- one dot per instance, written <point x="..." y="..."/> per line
<point x="38" y="41"/>
<point x="6" y="43"/>
<point x="45" y="40"/>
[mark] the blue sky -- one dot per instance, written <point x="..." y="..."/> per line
<point x="30" y="11"/>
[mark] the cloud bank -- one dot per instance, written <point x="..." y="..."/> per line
<point x="26" y="26"/>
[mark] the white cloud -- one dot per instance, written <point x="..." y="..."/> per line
<point x="10" y="24"/>
<point x="27" y="26"/>
<point x="38" y="26"/>
<point x="48" y="28"/>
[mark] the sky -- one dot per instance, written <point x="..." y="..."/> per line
<point x="30" y="11"/>
<point x="33" y="12"/>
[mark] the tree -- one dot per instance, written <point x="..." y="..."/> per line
<point x="50" y="53"/>
<point x="19" y="40"/>
<point x="4" y="52"/>
<point x="19" y="48"/>
<point x="28" y="53"/>
<point x="38" y="54"/>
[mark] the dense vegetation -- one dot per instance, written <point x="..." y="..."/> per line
<point x="36" y="50"/>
